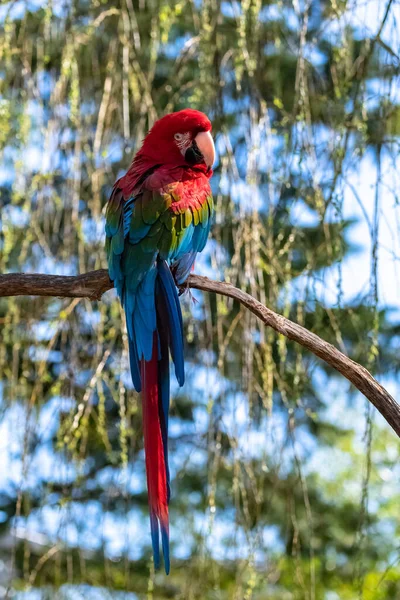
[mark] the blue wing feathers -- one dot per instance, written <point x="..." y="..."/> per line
<point x="170" y="295"/>
<point x="183" y="266"/>
<point x="191" y="245"/>
<point x="145" y="315"/>
<point x="128" y="208"/>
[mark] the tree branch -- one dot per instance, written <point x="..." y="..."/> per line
<point x="92" y="285"/>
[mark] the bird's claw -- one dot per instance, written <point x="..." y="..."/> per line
<point x="184" y="289"/>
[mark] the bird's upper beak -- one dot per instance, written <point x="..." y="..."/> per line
<point x="205" y="144"/>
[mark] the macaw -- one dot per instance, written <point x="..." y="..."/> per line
<point x="157" y="219"/>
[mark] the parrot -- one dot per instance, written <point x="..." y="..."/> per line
<point x="158" y="218"/>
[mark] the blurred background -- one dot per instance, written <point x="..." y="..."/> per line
<point x="285" y="481"/>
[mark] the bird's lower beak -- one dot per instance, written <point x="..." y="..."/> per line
<point x="205" y="144"/>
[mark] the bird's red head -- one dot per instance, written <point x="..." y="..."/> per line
<point x="179" y="138"/>
<point x="176" y="140"/>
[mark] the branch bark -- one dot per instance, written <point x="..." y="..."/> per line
<point x="94" y="284"/>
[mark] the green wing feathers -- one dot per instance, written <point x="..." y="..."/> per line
<point x="172" y="225"/>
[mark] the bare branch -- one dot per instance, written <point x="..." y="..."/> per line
<point x="92" y="285"/>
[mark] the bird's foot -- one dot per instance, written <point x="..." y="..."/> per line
<point x="184" y="289"/>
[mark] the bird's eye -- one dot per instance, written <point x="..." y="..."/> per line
<point x="178" y="136"/>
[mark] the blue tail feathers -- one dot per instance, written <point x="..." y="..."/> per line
<point x="154" y="316"/>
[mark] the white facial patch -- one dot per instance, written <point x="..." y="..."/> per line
<point x="183" y="141"/>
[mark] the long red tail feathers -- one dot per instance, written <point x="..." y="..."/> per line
<point x="155" y="457"/>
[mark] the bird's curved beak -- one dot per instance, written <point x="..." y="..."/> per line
<point x="205" y="144"/>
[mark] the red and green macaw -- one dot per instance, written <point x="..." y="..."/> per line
<point x="158" y="218"/>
